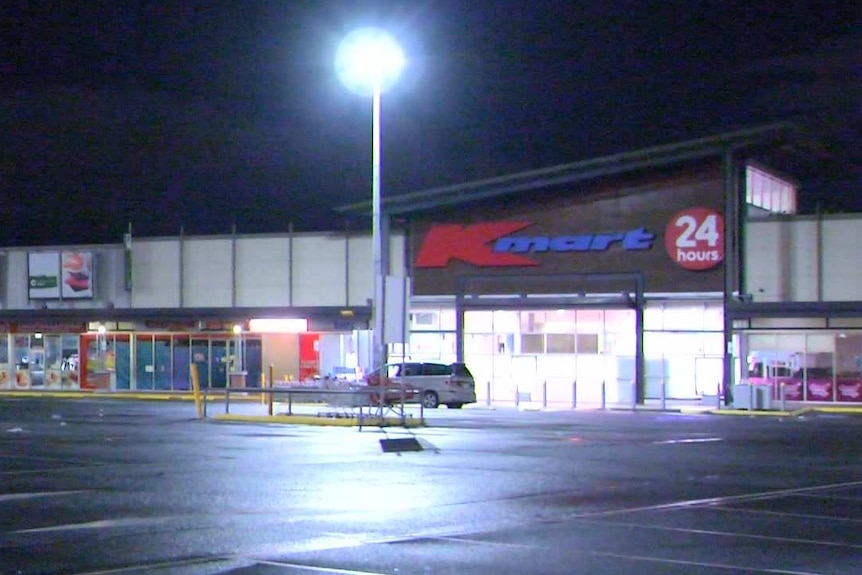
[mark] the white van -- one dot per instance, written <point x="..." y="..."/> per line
<point x="434" y="384"/>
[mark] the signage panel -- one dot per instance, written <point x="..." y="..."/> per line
<point x="77" y="272"/>
<point x="670" y="230"/>
<point x="43" y="275"/>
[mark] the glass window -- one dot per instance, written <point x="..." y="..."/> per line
<point x="587" y="343"/>
<point x="506" y="321"/>
<point x="532" y="321"/>
<point x="561" y="343"/>
<point x="683" y="317"/>
<point x="713" y="317"/>
<point x="448" y="320"/>
<point x="532" y="343"/>
<point x="424" y="320"/>
<point x="590" y="321"/>
<point x="53" y="352"/>
<point x="560" y="321"/>
<point x="482" y="344"/>
<point x="848" y="355"/>
<point x="653" y="320"/>
<point x="479" y="322"/>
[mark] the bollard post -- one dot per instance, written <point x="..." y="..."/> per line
<point x="289" y="403"/>
<point x="634" y="395"/>
<point x="206" y="393"/>
<point x="488" y="393"/>
<point x="269" y="399"/>
<point x="718" y="396"/>
<point x="227" y="400"/>
<point x="575" y="394"/>
<point x="517" y="396"/>
<point x="545" y="394"/>
<point x="751" y="398"/>
<point x="604" y="395"/>
<point x="262" y="388"/>
<point x="196" y="388"/>
<point x="783" y="396"/>
<point x="663" y="394"/>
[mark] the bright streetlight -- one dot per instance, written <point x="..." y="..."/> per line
<point x="368" y="61"/>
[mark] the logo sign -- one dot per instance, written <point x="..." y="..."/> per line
<point x="694" y="239"/>
<point x="491" y="244"/>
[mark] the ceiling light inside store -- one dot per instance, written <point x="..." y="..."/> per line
<point x="278" y="325"/>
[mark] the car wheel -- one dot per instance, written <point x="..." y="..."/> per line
<point x="454" y="405"/>
<point x="430" y="400"/>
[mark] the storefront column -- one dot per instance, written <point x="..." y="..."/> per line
<point x="733" y="208"/>
<point x="640" y="363"/>
<point x="459" y="332"/>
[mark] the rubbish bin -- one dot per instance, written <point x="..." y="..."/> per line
<point x="746" y="396"/>
<point x="763" y="397"/>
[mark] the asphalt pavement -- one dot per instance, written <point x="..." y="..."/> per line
<point x="107" y="486"/>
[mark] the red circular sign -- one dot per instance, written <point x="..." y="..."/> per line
<point x="694" y="239"/>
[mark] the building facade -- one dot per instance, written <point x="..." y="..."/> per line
<point x="673" y="272"/>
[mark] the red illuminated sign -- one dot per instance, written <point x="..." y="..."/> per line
<point x="472" y="244"/>
<point x="694" y="239"/>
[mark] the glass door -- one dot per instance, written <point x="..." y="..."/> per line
<point x="218" y="363"/>
<point x="144" y="363"/>
<point x="123" y="361"/>
<point x="163" y="371"/>
<point x="200" y="353"/>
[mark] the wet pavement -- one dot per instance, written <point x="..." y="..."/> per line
<point x="108" y="486"/>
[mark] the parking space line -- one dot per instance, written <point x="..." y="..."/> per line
<point x="731" y="509"/>
<point x="710" y="532"/>
<point x="725" y="566"/>
<point x="151" y="566"/>
<point x="722" y="501"/>
<point x="644" y="558"/>
<point x="830" y="497"/>
<point x="18" y="496"/>
<point x="317" y="569"/>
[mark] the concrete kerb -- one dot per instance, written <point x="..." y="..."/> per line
<point x="371" y="421"/>
<point x="141" y="396"/>
<point x="854" y="410"/>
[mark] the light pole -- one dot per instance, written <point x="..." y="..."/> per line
<point x="368" y="61"/>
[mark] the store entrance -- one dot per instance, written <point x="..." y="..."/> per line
<point x="551" y="357"/>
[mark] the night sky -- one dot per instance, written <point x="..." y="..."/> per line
<point x="170" y="113"/>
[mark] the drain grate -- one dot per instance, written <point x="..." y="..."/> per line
<point x="400" y="445"/>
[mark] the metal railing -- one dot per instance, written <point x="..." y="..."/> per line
<point x="365" y="403"/>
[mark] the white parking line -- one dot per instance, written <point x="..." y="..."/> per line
<point x="689" y="440"/>
<point x="722" y="501"/>
<point x="713" y="533"/>
<point x="19" y="496"/>
<point x="731" y="509"/>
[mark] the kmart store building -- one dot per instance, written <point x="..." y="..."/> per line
<point x="673" y="271"/>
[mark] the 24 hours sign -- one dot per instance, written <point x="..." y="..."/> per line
<point x="694" y="239"/>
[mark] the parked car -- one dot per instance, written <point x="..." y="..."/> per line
<point x="431" y="383"/>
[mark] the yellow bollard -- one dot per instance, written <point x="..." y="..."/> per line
<point x="271" y="386"/>
<point x="196" y="388"/>
<point x="262" y="387"/>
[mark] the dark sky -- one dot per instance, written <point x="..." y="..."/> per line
<point x="170" y="113"/>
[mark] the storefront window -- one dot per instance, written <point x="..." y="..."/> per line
<point x="506" y="321"/>
<point x="848" y="366"/>
<point x="560" y="321"/>
<point x="532" y="343"/>
<point x="532" y="321"/>
<point x="448" y="320"/>
<point x="424" y="320"/>
<point x="53" y="360"/>
<point x="479" y="322"/>
<point x="561" y="343"/>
